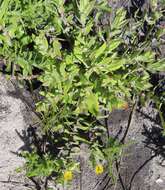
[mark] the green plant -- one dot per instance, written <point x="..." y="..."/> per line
<point x="87" y="69"/>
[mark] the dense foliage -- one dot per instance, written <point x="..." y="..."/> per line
<point x="87" y="66"/>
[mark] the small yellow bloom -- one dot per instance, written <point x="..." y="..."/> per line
<point x="68" y="176"/>
<point x="99" y="169"/>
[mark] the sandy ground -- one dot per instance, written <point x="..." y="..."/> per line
<point x="12" y="124"/>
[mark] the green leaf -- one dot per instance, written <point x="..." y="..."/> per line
<point x="88" y="27"/>
<point x="92" y="103"/>
<point x="41" y="43"/>
<point x="116" y="64"/>
<point x="84" y="128"/>
<point x="80" y="139"/>
<point x="145" y="57"/>
<point x="158" y="66"/>
<point x="106" y="61"/>
<point x="113" y="44"/>
<point x="4" y="8"/>
<point x="25" y="65"/>
<point x="119" y="20"/>
<point x="56" y="47"/>
<point x="85" y="7"/>
<point x="100" y="51"/>
<point x="104" y="6"/>
<point x="154" y="4"/>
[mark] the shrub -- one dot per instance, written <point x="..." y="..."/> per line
<point x="86" y="68"/>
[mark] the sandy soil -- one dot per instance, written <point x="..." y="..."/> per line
<point x="12" y="124"/>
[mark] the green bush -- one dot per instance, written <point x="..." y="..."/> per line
<point x="87" y="69"/>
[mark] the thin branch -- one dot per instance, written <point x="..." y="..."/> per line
<point x="119" y="176"/>
<point x="24" y="77"/>
<point x="81" y="173"/>
<point x="102" y="180"/>
<point x="17" y="182"/>
<point x="129" y="122"/>
<point x="38" y="187"/>
<point x="105" y="186"/>
<point x="106" y="123"/>
<point x="138" y="170"/>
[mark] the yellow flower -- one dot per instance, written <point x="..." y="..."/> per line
<point x="68" y="176"/>
<point x="99" y="169"/>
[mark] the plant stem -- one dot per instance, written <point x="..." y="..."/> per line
<point x="81" y="173"/>
<point x="106" y="123"/>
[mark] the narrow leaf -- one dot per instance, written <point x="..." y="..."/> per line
<point x="92" y="104"/>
